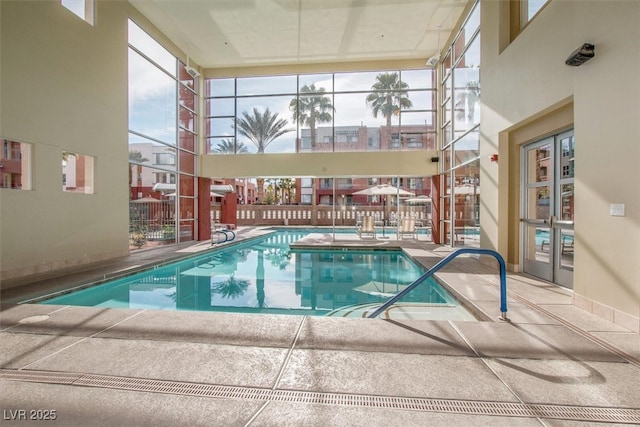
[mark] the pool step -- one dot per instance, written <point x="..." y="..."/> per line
<point x="406" y="311"/>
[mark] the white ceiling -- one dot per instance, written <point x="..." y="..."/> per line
<point x="244" y="33"/>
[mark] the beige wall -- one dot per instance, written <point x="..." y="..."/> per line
<point x="347" y="164"/>
<point x="64" y="87"/>
<point x="529" y="80"/>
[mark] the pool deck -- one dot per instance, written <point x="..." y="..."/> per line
<point x="552" y="364"/>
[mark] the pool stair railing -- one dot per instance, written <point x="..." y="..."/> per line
<point x="446" y="260"/>
<point x="222" y="235"/>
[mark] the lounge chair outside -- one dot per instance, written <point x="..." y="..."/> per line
<point x="367" y="228"/>
<point x="407" y="227"/>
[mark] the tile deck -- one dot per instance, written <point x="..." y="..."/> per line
<point x="552" y="364"/>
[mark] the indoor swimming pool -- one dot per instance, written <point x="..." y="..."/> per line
<point x="265" y="275"/>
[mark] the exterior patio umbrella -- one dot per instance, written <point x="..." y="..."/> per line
<point x="384" y="190"/>
<point x="146" y="199"/>
<point x="418" y="200"/>
<point x="466" y="189"/>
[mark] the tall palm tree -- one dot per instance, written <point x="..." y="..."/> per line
<point x="262" y="130"/>
<point x="310" y="108"/>
<point x="227" y="146"/>
<point x="389" y="97"/>
<point x="273" y="186"/>
<point x="287" y="185"/>
<point x="466" y="101"/>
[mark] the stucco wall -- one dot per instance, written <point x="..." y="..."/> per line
<point x="529" y="79"/>
<point x="64" y="87"/>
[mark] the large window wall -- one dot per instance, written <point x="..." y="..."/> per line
<point x="163" y="119"/>
<point x="333" y="112"/>
<point x="460" y="135"/>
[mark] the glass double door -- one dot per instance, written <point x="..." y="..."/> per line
<point x="547" y="208"/>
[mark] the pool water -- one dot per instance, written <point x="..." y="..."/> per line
<point x="266" y="276"/>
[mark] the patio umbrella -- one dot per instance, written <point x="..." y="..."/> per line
<point x="212" y="194"/>
<point x="466" y="189"/>
<point x="384" y="190"/>
<point x="146" y="199"/>
<point x="418" y="200"/>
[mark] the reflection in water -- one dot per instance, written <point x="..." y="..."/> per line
<point x="231" y="288"/>
<point x="266" y="276"/>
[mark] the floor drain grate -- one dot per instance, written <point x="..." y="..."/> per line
<point x="509" y="409"/>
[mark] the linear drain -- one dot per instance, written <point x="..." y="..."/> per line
<point x="507" y="409"/>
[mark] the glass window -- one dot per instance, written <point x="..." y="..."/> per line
<point x="221" y="107"/>
<point x="529" y="9"/>
<point x="77" y="173"/>
<point x="467" y="32"/>
<point x="466" y="98"/>
<point x="220" y="87"/>
<point x="422" y="100"/>
<point x="356" y="116"/>
<point x="318" y="80"/>
<point x="264" y="124"/>
<point x="188" y="98"/>
<point x="15" y="165"/>
<point x="186" y="79"/>
<point x="163" y="130"/>
<point x="222" y="126"/>
<point x="467" y="148"/>
<point x="266" y="85"/>
<point x="152" y="100"/>
<point x="350" y="82"/>
<point x="81" y="8"/>
<point x="150" y="48"/>
<point x="226" y="145"/>
<point x="187" y="163"/>
<point x="419" y="79"/>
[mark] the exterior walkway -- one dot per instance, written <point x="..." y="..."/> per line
<point x="552" y="364"/>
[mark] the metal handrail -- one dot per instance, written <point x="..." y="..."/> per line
<point x="442" y="263"/>
<point x="224" y="232"/>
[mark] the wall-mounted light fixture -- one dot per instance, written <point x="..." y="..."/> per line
<point x="581" y="55"/>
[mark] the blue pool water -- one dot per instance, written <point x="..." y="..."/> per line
<point x="265" y="276"/>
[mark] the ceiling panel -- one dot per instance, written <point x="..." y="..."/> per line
<point x="242" y="33"/>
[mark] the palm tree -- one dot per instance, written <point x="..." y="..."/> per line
<point x="261" y="129"/>
<point x="227" y="146"/>
<point x="389" y="97"/>
<point x="467" y="100"/>
<point x="272" y="191"/>
<point x="287" y="185"/>
<point x="310" y="108"/>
